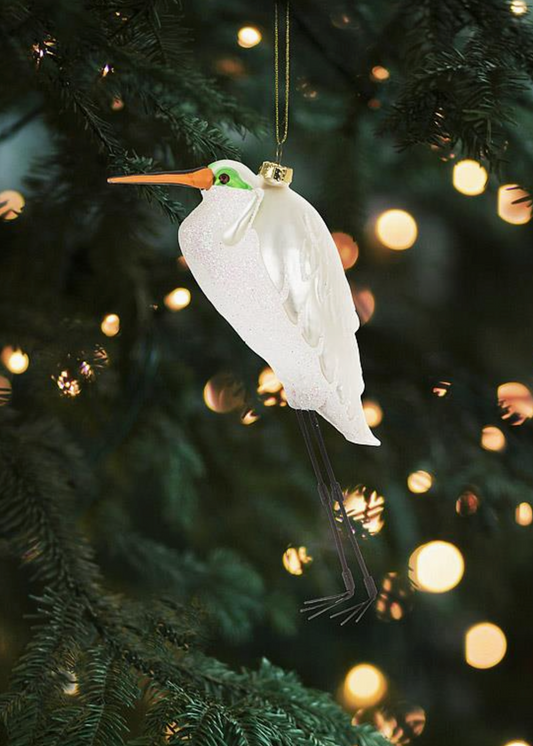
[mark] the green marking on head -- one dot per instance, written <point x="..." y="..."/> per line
<point x="229" y="177"/>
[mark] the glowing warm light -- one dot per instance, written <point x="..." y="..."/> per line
<point x="223" y="393"/>
<point x="71" y="687"/>
<point x="436" y="567"/>
<point x="268" y="383"/>
<point x="365" y="304"/>
<point x="110" y="325"/>
<point x="15" y="360"/>
<point x="5" y="390"/>
<point x="524" y="514"/>
<point x="394" y="597"/>
<point x="492" y="438"/>
<point x="517" y="743"/>
<point x="11" y="204"/>
<point x="68" y="385"/>
<point x="420" y="482"/>
<point x="230" y="66"/>
<point x="248" y="36"/>
<point x="442" y="388"/>
<point x="364" y="508"/>
<point x="364" y="686"/>
<point x="182" y="263"/>
<point x="104" y="72"/>
<point x="373" y="412"/>
<point x="347" y="248"/>
<point x="516" y="402"/>
<point x="396" y="229"/>
<point x="470" y="178"/>
<point x="519" y="7"/>
<point x="177" y="299"/>
<point x="117" y="104"/>
<point x="249" y="417"/>
<point x="399" y="723"/>
<point x="295" y="559"/>
<point x="379" y="73"/>
<point x="513" y="213"/>
<point x="485" y="645"/>
<point x="467" y="504"/>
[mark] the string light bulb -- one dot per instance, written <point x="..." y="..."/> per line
<point x="178" y="299"/>
<point x="524" y="514"/>
<point x="248" y="37"/>
<point x="110" y="325"/>
<point x="396" y="229"/>
<point x="15" y="360"/>
<point x="470" y="178"/>
<point x="485" y="645"/>
<point x="364" y="686"/>
<point x="519" y="7"/>
<point x="436" y="567"/>
<point x="516" y="214"/>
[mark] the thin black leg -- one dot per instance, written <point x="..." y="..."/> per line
<point x="320" y="605"/>
<point x="335" y="493"/>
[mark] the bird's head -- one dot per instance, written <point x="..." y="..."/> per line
<point x="226" y="174"/>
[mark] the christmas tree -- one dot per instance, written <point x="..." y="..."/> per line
<point x="159" y="522"/>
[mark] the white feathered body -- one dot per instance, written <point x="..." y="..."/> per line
<point x="266" y="260"/>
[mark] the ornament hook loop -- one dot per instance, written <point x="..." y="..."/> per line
<point x="275" y="173"/>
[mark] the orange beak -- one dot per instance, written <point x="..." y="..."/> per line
<point x="200" y="178"/>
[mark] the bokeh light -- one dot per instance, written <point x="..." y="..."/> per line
<point x="248" y="37"/>
<point x="11" y="204"/>
<point x="295" y="559"/>
<point x="394" y="598"/>
<point x="398" y="722"/>
<point x="15" y="360"/>
<point x="110" y="325"/>
<point x="347" y="248"/>
<point x="469" y="177"/>
<point x="177" y="299"/>
<point x="373" y="412"/>
<point x="441" y="389"/>
<point x="467" y="504"/>
<point x="436" y="567"/>
<point x="516" y="402"/>
<point x="223" y="393"/>
<point x="249" y="416"/>
<point x="117" y="104"/>
<point x="513" y="213"/>
<point x="396" y="229"/>
<point x="485" y="645"/>
<point x="524" y="514"/>
<point x="365" y="304"/>
<point x="68" y="385"/>
<point x="519" y="7"/>
<point x="419" y="482"/>
<point x="379" y="73"/>
<point x="5" y="390"/>
<point x="268" y="382"/>
<point x="365" y="507"/>
<point x="517" y="743"/>
<point x="492" y="438"/>
<point x="364" y="686"/>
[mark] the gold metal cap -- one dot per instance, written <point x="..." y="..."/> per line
<point x="276" y="173"/>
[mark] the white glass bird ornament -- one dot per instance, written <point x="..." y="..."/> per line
<point x="267" y="262"/>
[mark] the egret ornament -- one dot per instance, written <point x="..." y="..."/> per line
<point x="265" y="259"/>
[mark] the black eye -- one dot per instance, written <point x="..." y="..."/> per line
<point x="223" y="178"/>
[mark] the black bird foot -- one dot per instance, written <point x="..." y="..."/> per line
<point x="356" y="611"/>
<point x="317" y="606"/>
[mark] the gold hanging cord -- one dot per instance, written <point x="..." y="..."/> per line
<point x="281" y="130"/>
